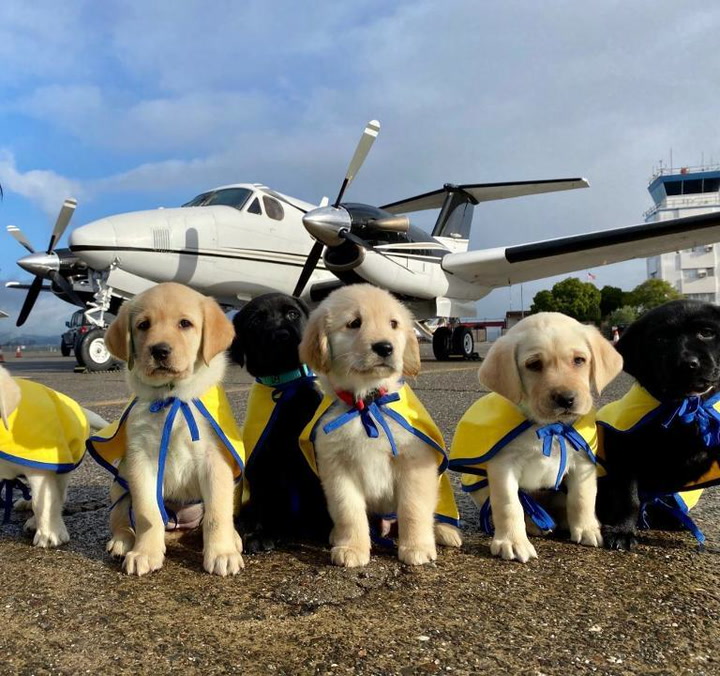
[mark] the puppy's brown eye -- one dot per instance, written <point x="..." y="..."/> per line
<point x="393" y="323"/>
<point x="185" y="323"/>
<point x="579" y="361"/>
<point x="355" y="323"/>
<point x="706" y="334"/>
<point x="144" y="325"/>
<point x="534" y="365"/>
<point x="292" y="315"/>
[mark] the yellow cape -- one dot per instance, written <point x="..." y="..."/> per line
<point x="108" y="446"/>
<point x="638" y="407"/>
<point x="487" y="427"/>
<point x="409" y="412"/>
<point x="46" y="431"/>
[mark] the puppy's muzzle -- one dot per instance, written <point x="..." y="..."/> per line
<point x="382" y="348"/>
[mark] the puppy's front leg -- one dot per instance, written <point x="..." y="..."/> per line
<point x="582" y="491"/>
<point x="510" y="540"/>
<point x="48" y="494"/>
<point x="417" y="493"/>
<point x="123" y="535"/>
<point x="350" y="537"/>
<point x="222" y="546"/>
<point x="148" y="552"/>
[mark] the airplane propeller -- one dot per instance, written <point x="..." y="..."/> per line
<point x="45" y="265"/>
<point x="333" y="225"/>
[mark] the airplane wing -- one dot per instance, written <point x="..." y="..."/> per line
<point x="537" y="260"/>
<point x="484" y="192"/>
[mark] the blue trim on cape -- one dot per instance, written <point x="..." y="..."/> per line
<point x="458" y="464"/>
<point x="58" y="468"/>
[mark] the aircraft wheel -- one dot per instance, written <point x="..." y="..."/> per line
<point x="64" y="350"/>
<point x="463" y="342"/>
<point x="441" y="343"/>
<point x="92" y="353"/>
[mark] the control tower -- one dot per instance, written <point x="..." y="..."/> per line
<point x="688" y="191"/>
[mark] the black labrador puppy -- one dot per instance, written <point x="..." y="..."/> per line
<point x="664" y="435"/>
<point x="286" y="498"/>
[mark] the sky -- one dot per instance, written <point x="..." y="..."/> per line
<point x="134" y="105"/>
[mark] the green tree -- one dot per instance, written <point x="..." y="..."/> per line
<point x="611" y="299"/>
<point x="580" y="300"/>
<point x="651" y="293"/>
<point x="622" y="318"/>
<point x="543" y="302"/>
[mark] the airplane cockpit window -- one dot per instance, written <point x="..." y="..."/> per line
<point x="273" y="208"/>
<point x="229" y="197"/>
<point x="254" y="208"/>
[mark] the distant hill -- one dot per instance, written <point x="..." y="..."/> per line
<point x="10" y="339"/>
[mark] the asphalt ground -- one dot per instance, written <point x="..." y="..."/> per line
<point x="575" y="610"/>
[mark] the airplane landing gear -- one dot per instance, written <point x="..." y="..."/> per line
<point x="453" y="341"/>
<point x="91" y="353"/>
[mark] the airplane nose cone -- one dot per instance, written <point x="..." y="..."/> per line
<point x="40" y="263"/>
<point x="95" y="243"/>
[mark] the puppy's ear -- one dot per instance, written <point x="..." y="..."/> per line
<point x="217" y="331"/>
<point x="237" y="349"/>
<point x="411" y="356"/>
<point x="9" y="396"/>
<point x="118" y="337"/>
<point x="314" y="347"/>
<point x="606" y="360"/>
<point x="499" y="372"/>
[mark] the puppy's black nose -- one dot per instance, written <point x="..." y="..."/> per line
<point x="564" y="399"/>
<point x="382" y="348"/>
<point x="691" y="363"/>
<point x="161" y="351"/>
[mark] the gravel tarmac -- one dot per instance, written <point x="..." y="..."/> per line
<point x="574" y="610"/>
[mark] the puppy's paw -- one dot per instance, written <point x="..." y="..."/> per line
<point x="417" y="555"/>
<point x="51" y="537"/>
<point x="223" y="563"/>
<point x="349" y="557"/>
<point x="30" y="525"/>
<point x="587" y="535"/>
<point x="120" y="544"/>
<point x="618" y="537"/>
<point x="141" y="562"/>
<point x="447" y="535"/>
<point x="22" y="505"/>
<point x="518" y="549"/>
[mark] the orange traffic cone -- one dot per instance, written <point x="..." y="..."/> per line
<point x="18" y="352"/>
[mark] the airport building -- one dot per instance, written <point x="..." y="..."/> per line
<point x="689" y="191"/>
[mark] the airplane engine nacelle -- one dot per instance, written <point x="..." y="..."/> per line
<point x="343" y="258"/>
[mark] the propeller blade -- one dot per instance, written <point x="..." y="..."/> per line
<point x="308" y="268"/>
<point x="363" y="147"/>
<point x="66" y="286"/>
<point x="19" y="237"/>
<point x="346" y="234"/>
<point x="61" y="223"/>
<point x="30" y="299"/>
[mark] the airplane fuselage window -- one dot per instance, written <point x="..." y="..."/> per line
<point x="254" y="208"/>
<point x="273" y="208"/>
<point x="229" y="197"/>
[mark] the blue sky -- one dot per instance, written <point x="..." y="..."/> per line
<point x="132" y="105"/>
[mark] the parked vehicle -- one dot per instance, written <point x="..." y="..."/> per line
<point x="87" y="341"/>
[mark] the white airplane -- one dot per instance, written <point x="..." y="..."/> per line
<point x="238" y="241"/>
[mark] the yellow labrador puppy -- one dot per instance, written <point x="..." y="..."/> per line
<point x="372" y="443"/>
<point x="536" y="429"/>
<point x="177" y="441"/>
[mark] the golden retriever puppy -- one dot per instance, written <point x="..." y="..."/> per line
<point x="177" y="441"/>
<point x="372" y="443"/>
<point x="42" y="440"/>
<point x="535" y="430"/>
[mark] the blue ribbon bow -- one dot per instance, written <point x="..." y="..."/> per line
<point x="562" y="433"/>
<point x="370" y="413"/>
<point x="702" y="413"/>
<point x="530" y="506"/>
<point x="175" y="405"/>
<point x="6" y="490"/>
